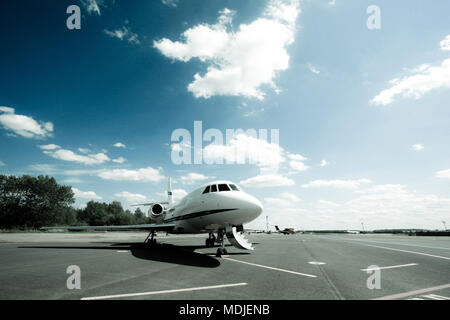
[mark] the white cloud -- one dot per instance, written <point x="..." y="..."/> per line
<point x="397" y="206"/>
<point x="268" y="180"/>
<point x="2" y="164"/>
<point x="119" y="160"/>
<point x="92" y="6"/>
<point x="239" y="62"/>
<point x="297" y="157"/>
<point x="298" y="166"/>
<point x="313" y="69"/>
<point x="340" y="184"/>
<point x="423" y="79"/>
<point x="49" y="147"/>
<point x="170" y="3"/>
<point x="243" y="148"/>
<point x="444" y="174"/>
<point x="418" y="147"/>
<point x="445" y="44"/>
<point x="67" y="155"/>
<point x="145" y="174"/>
<point x="84" y="150"/>
<point x="332" y="2"/>
<point x="131" y="197"/>
<point x="269" y="157"/>
<point x="123" y="34"/>
<point x="192" y="178"/>
<point x="119" y="145"/>
<point x="23" y="125"/>
<point x="324" y="163"/>
<point x="387" y="206"/>
<point x="290" y="197"/>
<point x="85" y="194"/>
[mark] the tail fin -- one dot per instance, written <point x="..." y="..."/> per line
<point x="169" y="192"/>
<point x="276" y="227"/>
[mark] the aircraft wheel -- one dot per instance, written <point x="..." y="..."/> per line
<point x="224" y="251"/>
<point x="219" y="252"/>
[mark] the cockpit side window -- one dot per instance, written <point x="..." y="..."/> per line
<point x="206" y="190"/>
<point x="214" y="188"/>
<point x="224" y="187"/>
<point x="234" y="187"/>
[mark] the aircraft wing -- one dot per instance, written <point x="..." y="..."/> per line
<point x="154" y="226"/>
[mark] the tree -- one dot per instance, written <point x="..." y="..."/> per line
<point x="29" y="202"/>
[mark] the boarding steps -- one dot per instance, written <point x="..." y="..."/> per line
<point x="237" y="239"/>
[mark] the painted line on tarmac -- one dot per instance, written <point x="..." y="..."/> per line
<point x="436" y="297"/>
<point x="400" y="244"/>
<point x="394" y="249"/>
<point x="127" y="295"/>
<point x="413" y="293"/>
<point x="391" y="267"/>
<point x="407" y="251"/>
<point x="272" y="268"/>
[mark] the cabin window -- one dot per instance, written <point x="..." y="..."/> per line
<point x="213" y="188"/>
<point x="206" y="190"/>
<point x="224" y="187"/>
<point x="234" y="187"/>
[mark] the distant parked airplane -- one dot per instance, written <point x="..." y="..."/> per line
<point x="286" y="231"/>
<point x="217" y="207"/>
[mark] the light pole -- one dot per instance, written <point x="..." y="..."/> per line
<point x="362" y="224"/>
<point x="267" y="224"/>
<point x="445" y="226"/>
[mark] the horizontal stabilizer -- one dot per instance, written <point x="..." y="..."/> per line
<point x="149" y="204"/>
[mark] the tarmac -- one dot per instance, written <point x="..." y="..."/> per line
<point x="117" y="265"/>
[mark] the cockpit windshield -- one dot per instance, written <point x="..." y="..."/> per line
<point x="221" y="188"/>
<point x="224" y="187"/>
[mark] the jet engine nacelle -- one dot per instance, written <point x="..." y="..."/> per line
<point x="156" y="212"/>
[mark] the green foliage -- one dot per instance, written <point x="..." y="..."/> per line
<point x="30" y="203"/>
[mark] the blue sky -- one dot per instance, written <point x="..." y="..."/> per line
<point x="362" y="114"/>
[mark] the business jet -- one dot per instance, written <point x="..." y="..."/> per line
<point x="286" y="231"/>
<point x="219" y="207"/>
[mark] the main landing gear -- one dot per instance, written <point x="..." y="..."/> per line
<point x="221" y="251"/>
<point x="211" y="240"/>
<point x="150" y="240"/>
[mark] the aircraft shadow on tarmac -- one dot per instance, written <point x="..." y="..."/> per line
<point x="183" y="255"/>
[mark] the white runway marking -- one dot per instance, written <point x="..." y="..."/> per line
<point x="391" y="267"/>
<point x="394" y="249"/>
<point x="400" y="244"/>
<point x="436" y="297"/>
<point x="316" y="263"/>
<point x="164" y="291"/>
<point x="272" y="268"/>
<point x="122" y="251"/>
<point x="414" y="252"/>
<point x="413" y="293"/>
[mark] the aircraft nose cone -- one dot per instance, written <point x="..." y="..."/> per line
<point x="257" y="206"/>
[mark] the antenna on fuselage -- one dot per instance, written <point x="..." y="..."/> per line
<point x="169" y="192"/>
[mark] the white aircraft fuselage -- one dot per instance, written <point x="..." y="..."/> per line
<point x="208" y="211"/>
